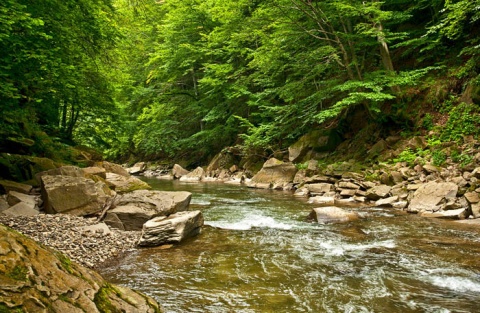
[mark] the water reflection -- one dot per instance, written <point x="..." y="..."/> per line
<point x="259" y="254"/>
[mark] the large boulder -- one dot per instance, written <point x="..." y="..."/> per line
<point x="113" y="168"/>
<point x="132" y="210"/>
<point x="74" y="195"/>
<point x="432" y="197"/>
<point x="274" y="173"/>
<point x="331" y="214"/>
<point x="378" y="192"/>
<point x="123" y="184"/>
<point x="8" y="185"/>
<point x="36" y="279"/>
<point x="196" y="175"/>
<point x="171" y="229"/>
<point x="178" y="171"/>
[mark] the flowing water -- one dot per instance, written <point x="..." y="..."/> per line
<point x="259" y="254"/>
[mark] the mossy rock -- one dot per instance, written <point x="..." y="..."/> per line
<point x="23" y="168"/>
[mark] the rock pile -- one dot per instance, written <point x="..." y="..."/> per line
<point x="83" y="240"/>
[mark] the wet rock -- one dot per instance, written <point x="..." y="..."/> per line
<point x="326" y="215"/>
<point x="322" y="200"/>
<point x="432" y="197"/>
<point x="74" y="195"/>
<point x="458" y="214"/>
<point x="387" y="202"/>
<point x="123" y="184"/>
<point x="302" y="192"/>
<point x="171" y="229"/>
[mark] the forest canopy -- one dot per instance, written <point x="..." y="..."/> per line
<point x="183" y="79"/>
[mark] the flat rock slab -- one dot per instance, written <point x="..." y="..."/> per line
<point x="21" y="209"/>
<point x="327" y="215"/>
<point x="171" y="229"/>
<point x="8" y="185"/>
<point x="459" y="214"/>
<point x="432" y="197"/>
<point x="15" y="197"/>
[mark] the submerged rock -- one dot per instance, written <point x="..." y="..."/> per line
<point x="36" y="279"/>
<point x="331" y="214"/>
<point x="171" y="229"/>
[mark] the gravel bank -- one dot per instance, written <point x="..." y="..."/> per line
<point x="66" y="233"/>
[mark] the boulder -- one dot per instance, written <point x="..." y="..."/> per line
<point x="68" y="170"/>
<point x="194" y="176"/>
<point x="74" y="195"/>
<point x="178" y="171"/>
<point x="326" y="215"/>
<point x="36" y="279"/>
<point x="319" y="188"/>
<point x="14" y="197"/>
<point x="387" y="202"/>
<point x="432" y="197"/>
<point x="138" y="168"/>
<point x="322" y="200"/>
<point x="315" y="141"/>
<point x="123" y="184"/>
<point x="132" y="210"/>
<point x="302" y="192"/>
<point x="172" y="229"/>
<point x="113" y="168"/>
<point x="7" y="185"/>
<point x="94" y="170"/>
<point x="378" y="192"/>
<point x="274" y="173"/>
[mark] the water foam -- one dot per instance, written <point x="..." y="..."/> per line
<point x="249" y="222"/>
<point x="337" y="248"/>
<point x="459" y="284"/>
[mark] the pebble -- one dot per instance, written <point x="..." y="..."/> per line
<point x="61" y="233"/>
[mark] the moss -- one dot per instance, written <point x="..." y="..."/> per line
<point x="19" y="273"/>
<point x="102" y="299"/>
<point x="5" y="309"/>
<point x="65" y="262"/>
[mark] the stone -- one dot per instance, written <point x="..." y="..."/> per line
<point x="318" y="141"/>
<point x="348" y="202"/>
<point x="378" y="192"/>
<point x="178" y="171"/>
<point x="319" y="188"/>
<point x="7" y="185"/>
<point x="234" y="168"/>
<point x="68" y="170"/>
<point x="172" y="229"/>
<point x="413" y="187"/>
<point x="400" y="205"/>
<point x="3" y="204"/>
<point x="124" y="184"/>
<point x="94" y="170"/>
<point x="74" y="195"/>
<point x="274" y="172"/>
<point x="137" y="168"/>
<point x="429" y="168"/>
<point x="472" y="197"/>
<point x="460" y="181"/>
<point x="21" y="209"/>
<point x="347" y="192"/>
<point x="475" y="208"/>
<point x="194" y="176"/>
<point x="397" y="177"/>
<point x="377" y="148"/>
<point x="331" y="214"/>
<point x="37" y="279"/>
<point x="459" y="214"/>
<point x="348" y="185"/>
<point x="15" y="197"/>
<point x="476" y="173"/>
<point x="432" y="197"/>
<point x="133" y="209"/>
<point x="302" y="192"/>
<point x="322" y="200"/>
<point x="387" y="202"/>
<point x="101" y="228"/>
<point x="113" y="168"/>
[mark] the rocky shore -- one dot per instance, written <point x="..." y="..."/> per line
<point x="83" y="240"/>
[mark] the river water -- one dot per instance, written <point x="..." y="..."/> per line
<point x="259" y="254"/>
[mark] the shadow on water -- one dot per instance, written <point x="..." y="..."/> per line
<point x="259" y="254"/>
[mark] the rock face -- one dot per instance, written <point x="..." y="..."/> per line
<point x="34" y="279"/>
<point x="326" y="215"/>
<point x="123" y="184"/>
<point x="132" y="210"/>
<point x="171" y="229"/>
<point x="273" y="174"/>
<point x="194" y="176"/>
<point x="432" y="197"/>
<point x="74" y="195"/>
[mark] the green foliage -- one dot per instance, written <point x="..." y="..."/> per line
<point x="461" y="158"/>
<point x="462" y="121"/>
<point x="439" y="157"/>
<point x="408" y="156"/>
<point x="427" y="121"/>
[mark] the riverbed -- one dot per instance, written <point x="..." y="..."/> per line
<point x="258" y="253"/>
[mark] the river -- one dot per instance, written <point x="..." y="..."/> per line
<point x="259" y="254"/>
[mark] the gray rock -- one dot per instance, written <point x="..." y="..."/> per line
<point x="326" y="215"/>
<point x="15" y="197"/>
<point x="347" y="192"/>
<point x="135" y="208"/>
<point x="378" y="192"/>
<point x="74" y="195"/>
<point x="171" y="229"/>
<point x="8" y="185"/>
<point x="348" y="185"/>
<point x="432" y="197"/>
